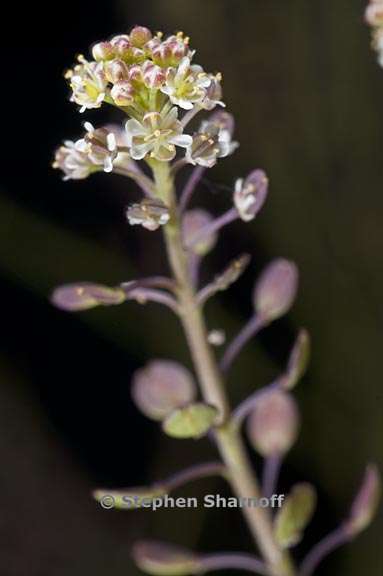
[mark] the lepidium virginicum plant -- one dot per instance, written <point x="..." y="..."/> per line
<point x="159" y="89"/>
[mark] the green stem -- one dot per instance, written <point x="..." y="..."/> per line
<point x="229" y="442"/>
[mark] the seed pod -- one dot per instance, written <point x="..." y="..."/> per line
<point x="295" y="514"/>
<point x="83" y="296"/>
<point x="192" y="421"/>
<point x="366" y="502"/>
<point x="273" y="425"/>
<point x="193" y="223"/>
<point x="276" y="289"/>
<point x="161" y="387"/>
<point x="298" y="360"/>
<point x="160" y="559"/>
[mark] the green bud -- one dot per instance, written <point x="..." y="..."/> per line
<point x="161" y="559"/>
<point x="192" y="421"/>
<point x="295" y="514"/>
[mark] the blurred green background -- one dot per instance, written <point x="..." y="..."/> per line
<point x="307" y="95"/>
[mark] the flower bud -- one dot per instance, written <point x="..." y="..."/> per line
<point x="116" y="70"/>
<point x="139" y="36"/>
<point x="298" y="360"/>
<point x="83" y="296"/>
<point x="103" y="51"/>
<point x="250" y="194"/>
<point x="160" y="559"/>
<point x="122" y="93"/>
<point x="151" y="214"/>
<point x="295" y="514"/>
<point x="273" y="424"/>
<point x="213" y="96"/>
<point x="161" y="387"/>
<point x="276" y="289"/>
<point x="366" y="502"/>
<point x="193" y="223"/>
<point x="153" y="75"/>
<point x="192" y="421"/>
<point x="121" y="44"/>
<point x="374" y="13"/>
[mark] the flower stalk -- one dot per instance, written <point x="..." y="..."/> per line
<point x="229" y="442"/>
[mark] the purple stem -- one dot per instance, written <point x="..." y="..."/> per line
<point x="191" y="185"/>
<point x="247" y="406"/>
<point x="214" y="226"/>
<point x="193" y="473"/>
<point x="334" y="540"/>
<point x="271" y="468"/>
<point x="194" y="261"/>
<point x="150" y="282"/>
<point x="143" y="295"/>
<point x="253" y="326"/>
<point x="232" y="560"/>
<point x="138" y="176"/>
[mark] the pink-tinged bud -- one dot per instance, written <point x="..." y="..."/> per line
<point x="298" y="360"/>
<point x="121" y="45"/>
<point x="83" y="296"/>
<point x="274" y="423"/>
<point x="161" y="387"/>
<point x="139" y="36"/>
<point x="116" y="70"/>
<point x="135" y="73"/>
<point x="103" y="51"/>
<point x="193" y="223"/>
<point x="160" y="559"/>
<point x="153" y="75"/>
<point x="122" y="93"/>
<point x="374" y="13"/>
<point x="276" y="289"/>
<point x="366" y="502"/>
<point x="250" y="194"/>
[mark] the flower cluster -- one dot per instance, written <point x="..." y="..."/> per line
<point x="374" y="17"/>
<point x="154" y="80"/>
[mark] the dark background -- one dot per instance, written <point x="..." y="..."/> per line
<point x="302" y="82"/>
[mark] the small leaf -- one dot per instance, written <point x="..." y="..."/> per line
<point x="295" y="514"/>
<point x="192" y="421"/>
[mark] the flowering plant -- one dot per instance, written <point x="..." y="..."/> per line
<point x="155" y="83"/>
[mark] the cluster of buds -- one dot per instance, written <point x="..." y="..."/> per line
<point x="374" y="18"/>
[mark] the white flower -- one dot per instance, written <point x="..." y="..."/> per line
<point x="157" y="135"/>
<point x="186" y="85"/>
<point x="250" y="194"/>
<point x="89" y="84"/>
<point x="95" y="152"/>
<point x="151" y="214"/>
<point x="213" y="93"/>
<point x="212" y="141"/>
